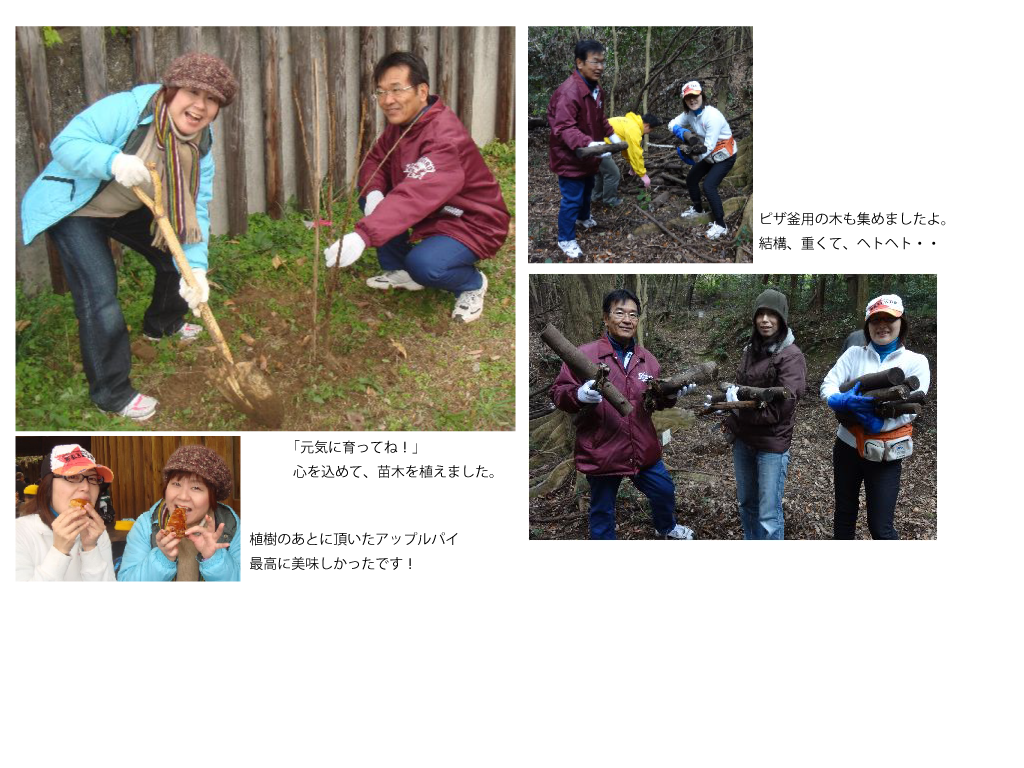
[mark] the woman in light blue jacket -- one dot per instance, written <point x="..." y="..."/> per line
<point x="206" y="546"/>
<point x="74" y="200"/>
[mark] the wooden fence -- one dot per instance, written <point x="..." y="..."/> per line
<point x="305" y="92"/>
<point x="138" y="461"/>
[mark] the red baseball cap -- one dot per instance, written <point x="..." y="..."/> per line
<point x="73" y="459"/>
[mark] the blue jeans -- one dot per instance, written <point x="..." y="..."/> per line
<point x="760" y="480"/>
<point x="437" y="262"/>
<point x="82" y="242"/>
<point x="654" y="482"/>
<point x="575" y="204"/>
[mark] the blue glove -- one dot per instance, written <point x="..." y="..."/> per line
<point x="680" y="132"/>
<point x="872" y="424"/>
<point x="863" y="409"/>
<point x="842" y="401"/>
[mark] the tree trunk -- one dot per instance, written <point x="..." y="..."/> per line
<point x="615" y="69"/>
<point x="641" y="286"/>
<point x="818" y="299"/>
<point x="647" y="73"/>
<point x="862" y="291"/>
<point x="581" y="299"/>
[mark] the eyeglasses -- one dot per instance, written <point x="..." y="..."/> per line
<point x="882" y="319"/>
<point x="77" y="479"/>
<point x="381" y="93"/>
<point x="618" y="314"/>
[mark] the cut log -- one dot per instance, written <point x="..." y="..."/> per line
<point x="760" y="394"/>
<point x="585" y="152"/>
<point x="585" y="369"/>
<point x="892" y="410"/>
<point x="698" y="374"/>
<point x="890" y="394"/>
<point x="878" y="380"/>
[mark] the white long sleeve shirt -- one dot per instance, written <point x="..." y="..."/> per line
<point x="710" y="125"/>
<point x="856" y="361"/>
<point x="36" y="559"/>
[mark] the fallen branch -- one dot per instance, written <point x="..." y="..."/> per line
<point x="663" y="228"/>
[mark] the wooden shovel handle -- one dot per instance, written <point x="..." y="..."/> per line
<point x="155" y="204"/>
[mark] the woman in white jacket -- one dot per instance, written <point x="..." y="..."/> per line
<point x="870" y="449"/>
<point x="709" y="146"/>
<point x="62" y="537"/>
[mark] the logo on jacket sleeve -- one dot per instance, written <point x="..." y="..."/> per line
<point x="420" y="168"/>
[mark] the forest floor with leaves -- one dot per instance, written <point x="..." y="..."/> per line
<point x="390" y="360"/>
<point x="700" y="459"/>
<point x="613" y="240"/>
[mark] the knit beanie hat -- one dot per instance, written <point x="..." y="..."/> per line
<point x="775" y="301"/>
<point x="203" y="72"/>
<point x="204" y="462"/>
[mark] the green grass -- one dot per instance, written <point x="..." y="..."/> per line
<point x="272" y="304"/>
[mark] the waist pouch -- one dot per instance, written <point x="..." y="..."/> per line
<point x="885" y="446"/>
<point x="724" y="149"/>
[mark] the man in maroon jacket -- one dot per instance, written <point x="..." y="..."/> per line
<point x="576" y="117"/>
<point x="610" y="447"/>
<point x="426" y="174"/>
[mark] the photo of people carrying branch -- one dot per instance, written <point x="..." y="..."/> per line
<point x="183" y="265"/>
<point x="641" y="144"/>
<point x="722" y="401"/>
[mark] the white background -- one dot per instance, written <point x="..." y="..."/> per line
<point x="502" y="651"/>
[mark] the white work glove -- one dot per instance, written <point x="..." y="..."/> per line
<point x="732" y="394"/>
<point x="129" y="170"/>
<point x="372" y="201"/>
<point x="600" y="144"/>
<point x="614" y="138"/>
<point x="587" y="395"/>
<point x="685" y="390"/>
<point x="195" y="297"/>
<point x="709" y="404"/>
<point x="351" y="247"/>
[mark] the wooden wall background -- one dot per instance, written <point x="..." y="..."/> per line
<point x="302" y="89"/>
<point x="138" y="461"/>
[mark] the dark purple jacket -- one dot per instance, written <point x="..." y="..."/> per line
<point x="606" y="443"/>
<point x="771" y="428"/>
<point x="576" y="119"/>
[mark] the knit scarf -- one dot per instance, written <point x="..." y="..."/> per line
<point x="180" y="178"/>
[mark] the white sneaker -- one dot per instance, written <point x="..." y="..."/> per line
<point x="469" y="306"/>
<point x="187" y="332"/>
<point x="588" y="223"/>
<point x="396" y="278"/>
<point x="680" y="532"/>
<point x="140" y="408"/>
<point x="570" y="248"/>
<point x="691" y="211"/>
<point x="715" y="231"/>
